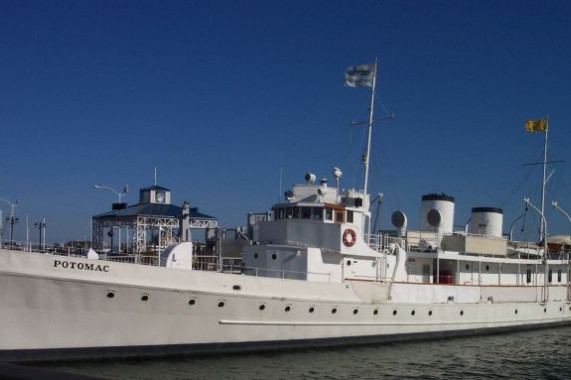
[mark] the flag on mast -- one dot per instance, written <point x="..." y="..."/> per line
<point x="536" y="125"/>
<point x="360" y="76"/>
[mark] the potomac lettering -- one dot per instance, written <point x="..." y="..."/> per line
<point x="81" y="266"/>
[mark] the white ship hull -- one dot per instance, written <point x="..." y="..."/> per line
<point x="56" y="307"/>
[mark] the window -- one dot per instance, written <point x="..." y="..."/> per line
<point x="528" y="276"/>
<point x="305" y="212"/>
<point x="349" y="216"/>
<point x="339" y="216"/>
<point x="317" y="213"/>
<point x="328" y="214"/>
<point x="550" y="275"/>
<point x="297" y="212"/>
<point x="289" y="212"/>
<point x="559" y="275"/>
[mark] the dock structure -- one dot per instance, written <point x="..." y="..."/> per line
<point x="154" y="221"/>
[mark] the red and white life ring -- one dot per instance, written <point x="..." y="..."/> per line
<point x="349" y="237"/>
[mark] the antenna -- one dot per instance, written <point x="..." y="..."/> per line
<point x="155" y="175"/>
<point x="281" y="177"/>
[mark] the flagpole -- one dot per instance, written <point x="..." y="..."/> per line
<point x="542" y="231"/>
<point x="368" y="153"/>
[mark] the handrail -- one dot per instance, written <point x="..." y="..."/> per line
<point x="200" y="262"/>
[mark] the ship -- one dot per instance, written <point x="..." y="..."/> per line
<point x="313" y="275"/>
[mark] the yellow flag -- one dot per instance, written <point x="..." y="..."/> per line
<point x="536" y="125"/>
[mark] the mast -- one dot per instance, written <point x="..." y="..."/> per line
<point x="370" y="131"/>
<point x="542" y="231"/>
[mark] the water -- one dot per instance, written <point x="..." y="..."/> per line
<point x="541" y="354"/>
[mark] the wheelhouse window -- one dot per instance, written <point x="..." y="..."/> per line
<point x="339" y="216"/>
<point x="550" y="275"/>
<point x="299" y="213"/>
<point x="559" y="275"/>
<point x="528" y="276"/>
<point x="317" y="213"/>
<point x="349" y="216"/>
<point x="328" y="214"/>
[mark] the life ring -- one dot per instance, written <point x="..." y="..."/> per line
<point x="349" y="237"/>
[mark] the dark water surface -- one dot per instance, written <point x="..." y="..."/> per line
<point x="541" y="354"/>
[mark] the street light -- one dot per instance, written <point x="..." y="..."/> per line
<point x="119" y="194"/>
<point x="42" y="227"/>
<point x="513" y="224"/>
<point x="558" y="208"/>
<point x="11" y="218"/>
<point x="545" y="274"/>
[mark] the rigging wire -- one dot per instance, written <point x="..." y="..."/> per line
<point x="380" y="171"/>
<point x="387" y="113"/>
<point x="517" y="187"/>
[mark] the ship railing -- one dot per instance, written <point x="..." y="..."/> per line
<point x="374" y="241"/>
<point x="235" y="265"/>
<point x="131" y="259"/>
<point x="284" y="274"/>
<point x="54" y="249"/>
<point x="382" y="242"/>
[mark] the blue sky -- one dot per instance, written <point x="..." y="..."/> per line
<point x="218" y="95"/>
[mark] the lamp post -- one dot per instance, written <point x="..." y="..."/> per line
<point x="11" y="218"/>
<point x="558" y="208"/>
<point x="513" y="225"/>
<point x="544" y="230"/>
<point x="42" y="227"/>
<point x="120" y="195"/>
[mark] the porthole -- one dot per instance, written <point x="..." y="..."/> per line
<point x="561" y="309"/>
<point x="274" y="256"/>
<point x="412" y="313"/>
<point x="110" y="294"/>
<point x="287" y="308"/>
<point x="461" y="312"/>
<point x="334" y="310"/>
<point x="237" y="287"/>
<point x="516" y="311"/>
<point x="355" y="311"/>
<point x="376" y="311"/>
<point x="191" y="301"/>
<point x="348" y="262"/>
<point x="144" y="297"/>
<point x="311" y="309"/>
<point x="262" y="307"/>
<point x="430" y="313"/>
<point x="394" y="312"/>
<point x="545" y="310"/>
<point x="221" y="304"/>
